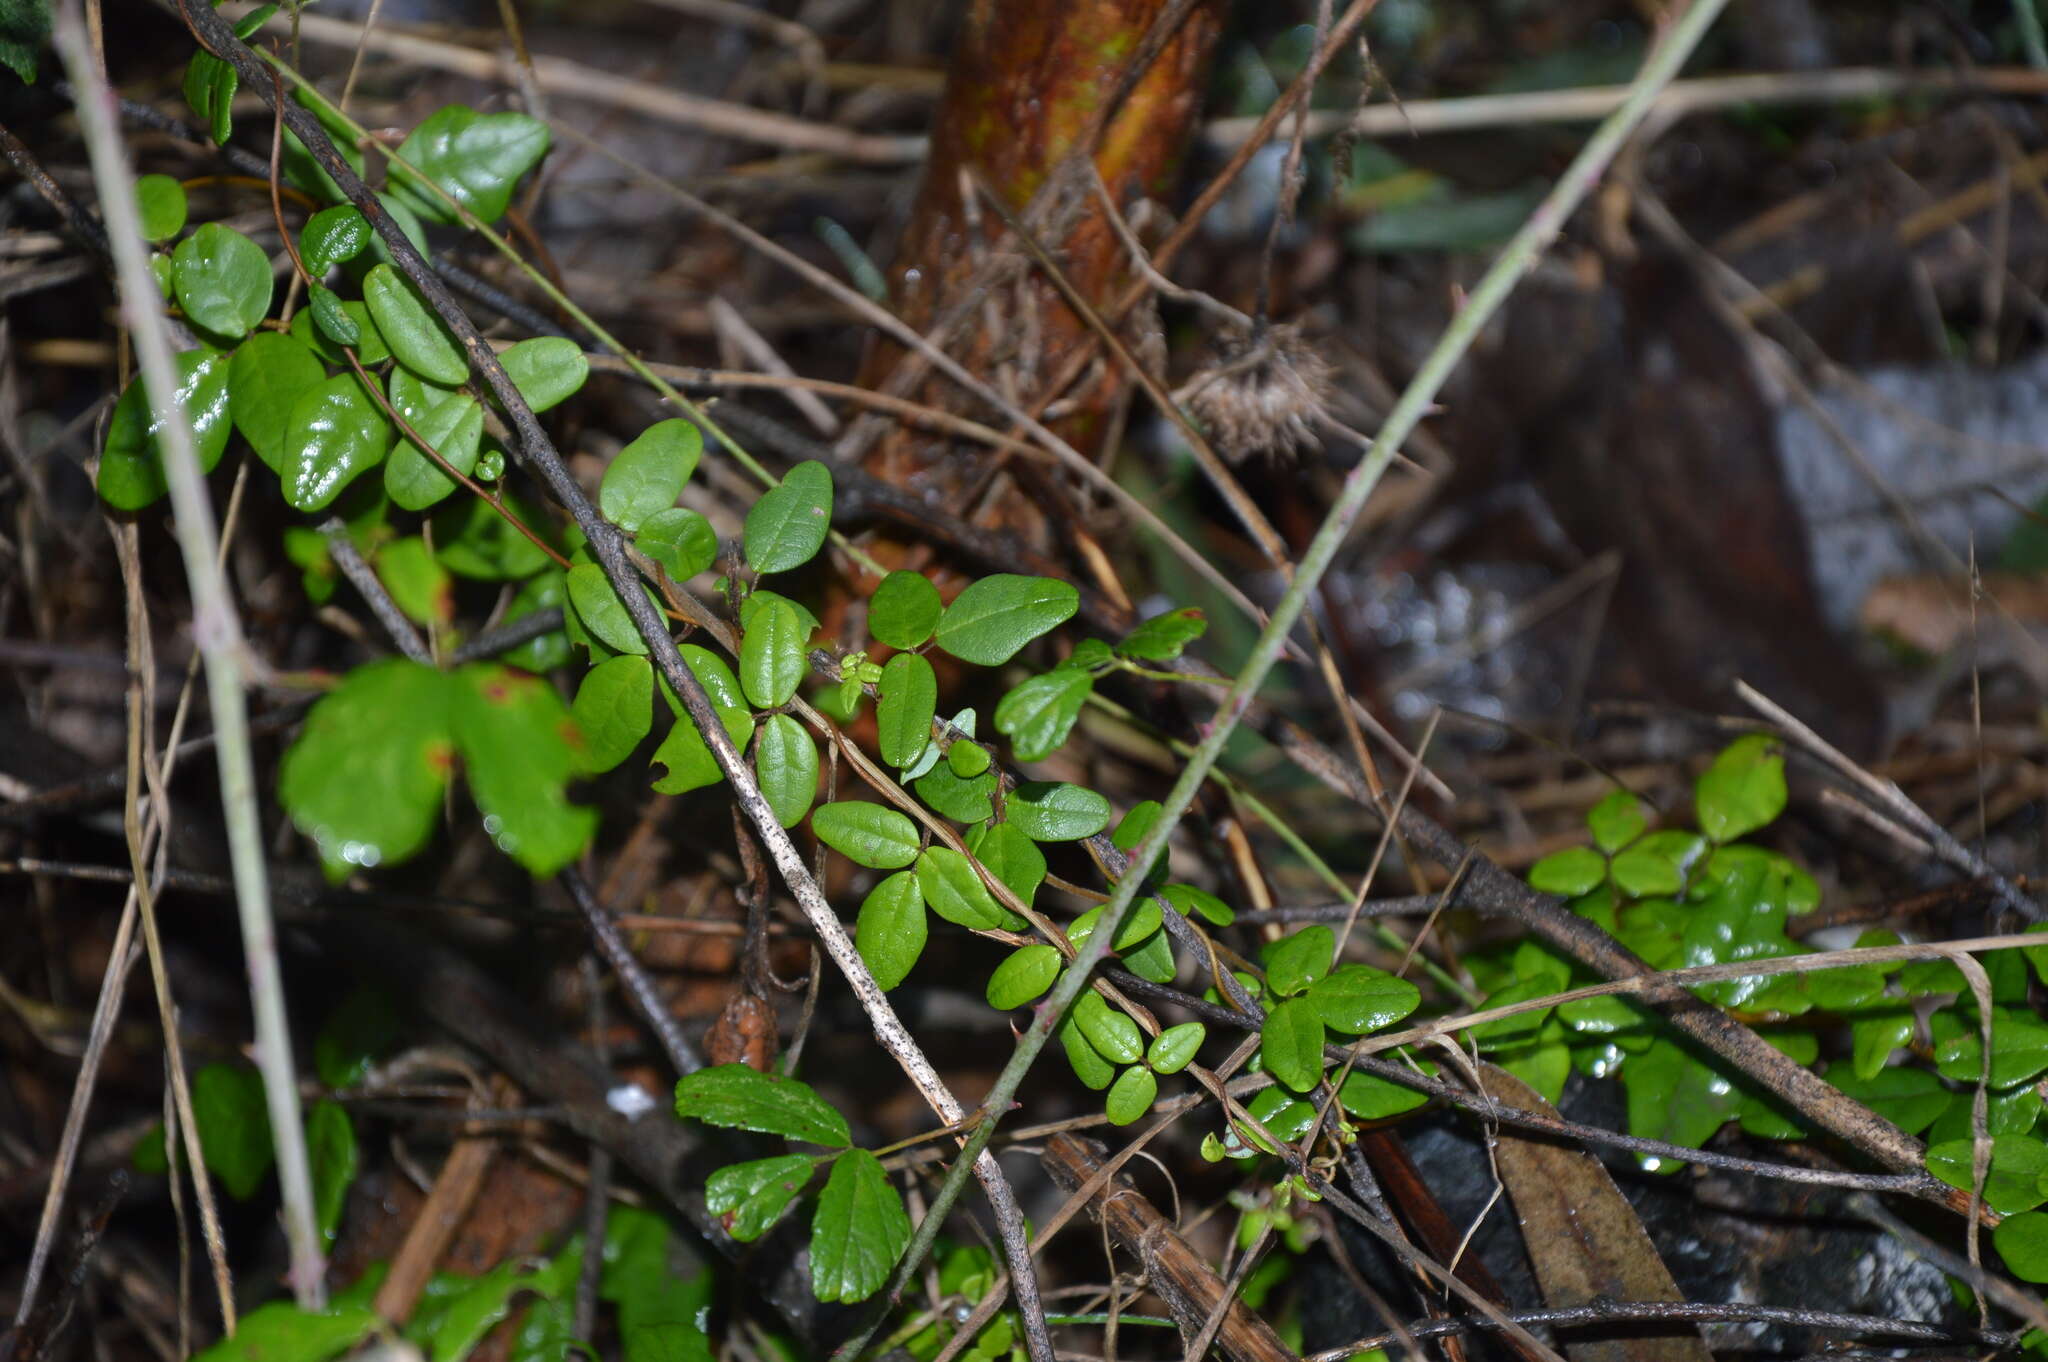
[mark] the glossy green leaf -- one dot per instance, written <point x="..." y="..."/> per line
<point x="1174" y="1048"/>
<point x="2013" y="1112"/>
<point x="1187" y="899"/>
<point x="1372" y="1098"/>
<point x="550" y="650"/>
<point x="1291" y="1043"/>
<point x="1130" y="1096"/>
<point x="1570" y="872"/>
<point x="740" y="1098"/>
<point x="1010" y="856"/>
<point x="859" y="1231"/>
<point x="331" y="1150"/>
<point x="760" y="598"/>
<point x="1617" y="820"/>
<point x="1299" y="959"/>
<point x="787" y="526"/>
<point x="1139" y="922"/>
<point x="388" y="727"/>
<point x="333" y="319"/>
<point x="2018" y="1176"/>
<point x="1152" y="958"/>
<point x="1023" y="977"/>
<point x="1086" y="1061"/>
<point x="336" y="432"/>
<point x="750" y="1197"/>
<point x="281" y="1332"/>
<point x="903" y="715"/>
<point x="962" y="800"/>
<point x="1161" y="638"/>
<point x="417" y="582"/>
<point x="234" y="1127"/>
<point x="475" y="541"/>
<point x="421" y="341"/>
<point x="601" y="610"/>
<point x="331" y="237"/>
<point x="270" y="372"/>
<point x="476" y="159"/>
<point x="994" y="617"/>
<point x="452" y="424"/>
<point x="967" y="759"/>
<point x="210" y="86"/>
<point x="681" y="540"/>
<point x="1656" y="865"/>
<point x="645" y="478"/>
<point x="1743" y="790"/>
<point x="1520" y="1027"/>
<point x="355" y="1036"/>
<point x="161" y="201"/>
<point x="786" y="765"/>
<point x="688" y="758"/>
<point x="904" y="610"/>
<point x="1132" y="827"/>
<point x="1056" y="812"/>
<point x="547" y="370"/>
<point x="955" y="892"/>
<point x="1115" y="1036"/>
<point x="2019" y="1049"/>
<point x="1284" y="1116"/>
<point x="1358" y="999"/>
<point x="131" y="473"/>
<point x="329" y="322"/>
<point x="867" y="834"/>
<point x="521" y="748"/>
<point x="614" y="709"/>
<point x="222" y="280"/>
<point x="772" y="656"/>
<point x="1676" y="1098"/>
<point x="2022" y="1240"/>
<point x="891" y="930"/>
<point x="1039" y="712"/>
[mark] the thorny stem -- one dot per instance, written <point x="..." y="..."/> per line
<point x="608" y="547"/>
<point x="217" y="632"/>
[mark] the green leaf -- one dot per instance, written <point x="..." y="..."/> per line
<point x="1115" y="1036"/>
<point x="1372" y="1098"/>
<point x="1131" y="829"/>
<point x="1023" y="977"/>
<point x="1130" y="1096"/>
<point x="473" y="540"/>
<point x="420" y="339"/>
<point x="24" y="28"/>
<point x="1657" y="864"/>
<point x="903" y="715"/>
<point x="1161" y="638"/>
<point x="475" y="158"/>
<point x="449" y="420"/>
<point x="772" y="656"/>
<point x="418" y="584"/>
<point x="1050" y="812"/>
<point x="1010" y="856"/>
<point x="751" y="1197"/>
<point x="281" y="1332"/>
<point x="1570" y="872"/>
<point x="760" y="598"/>
<point x="547" y="370"/>
<point x="1675" y="1098"/>
<point x="1743" y="790"/>
<point x="161" y="201"/>
<point x="891" y="930"/>
<point x="210" y="85"/>
<point x="962" y="800"/>
<point x="332" y="236"/>
<point x="614" y="709"/>
<point x="328" y="323"/>
<point x="1910" y="1099"/>
<point x="1291" y="1042"/>
<point x="234" y="1127"/>
<point x="2019" y="1050"/>
<point x="601" y="610"/>
<point x="859" y="1231"/>
<point x="1140" y="922"/>
<point x="1152" y="959"/>
<point x="1088" y="1064"/>
<point x="645" y="478"/>
<point x="787" y="526"/>
<point x="681" y="540"/>
<point x="389" y="728"/>
<point x="131" y="474"/>
<point x="739" y="1098"/>
<point x="2013" y="1112"/>
<point x="904" y="609"/>
<point x="1039" y="713"/>
<point x="2018" y="1176"/>
<point x="786" y="766"/>
<point x="1359" y="999"/>
<point x="1284" y="1116"/>
<point x="1617" y="820"/>
<point x="953" y="891"/>
<point x="1174" y="1048"/>
<point x="1187" y="899"/>
<point x="686" y="754"/>
<point x="1299" y="959"/>
<point x="268" y="375"/>
<point x="331" y="1149"/>
<point x="336" y="432"/>
<point x="356" y="1035"/>
<point x="967" y="759"/>
<point x="550" y="650"/>
<point x="332" y="316"/>
<point x="222" y="280"/>
<point x="521" y="749"/>
<point x="2022" y="1240"/>
<point x="988" y="622"/>
<point x="867" y="834"/>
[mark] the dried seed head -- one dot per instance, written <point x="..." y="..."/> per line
<point x="1262" y="394"/>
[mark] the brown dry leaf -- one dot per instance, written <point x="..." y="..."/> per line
<point x="1584" y="1239"/>
<point x="744" y="1033"/>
